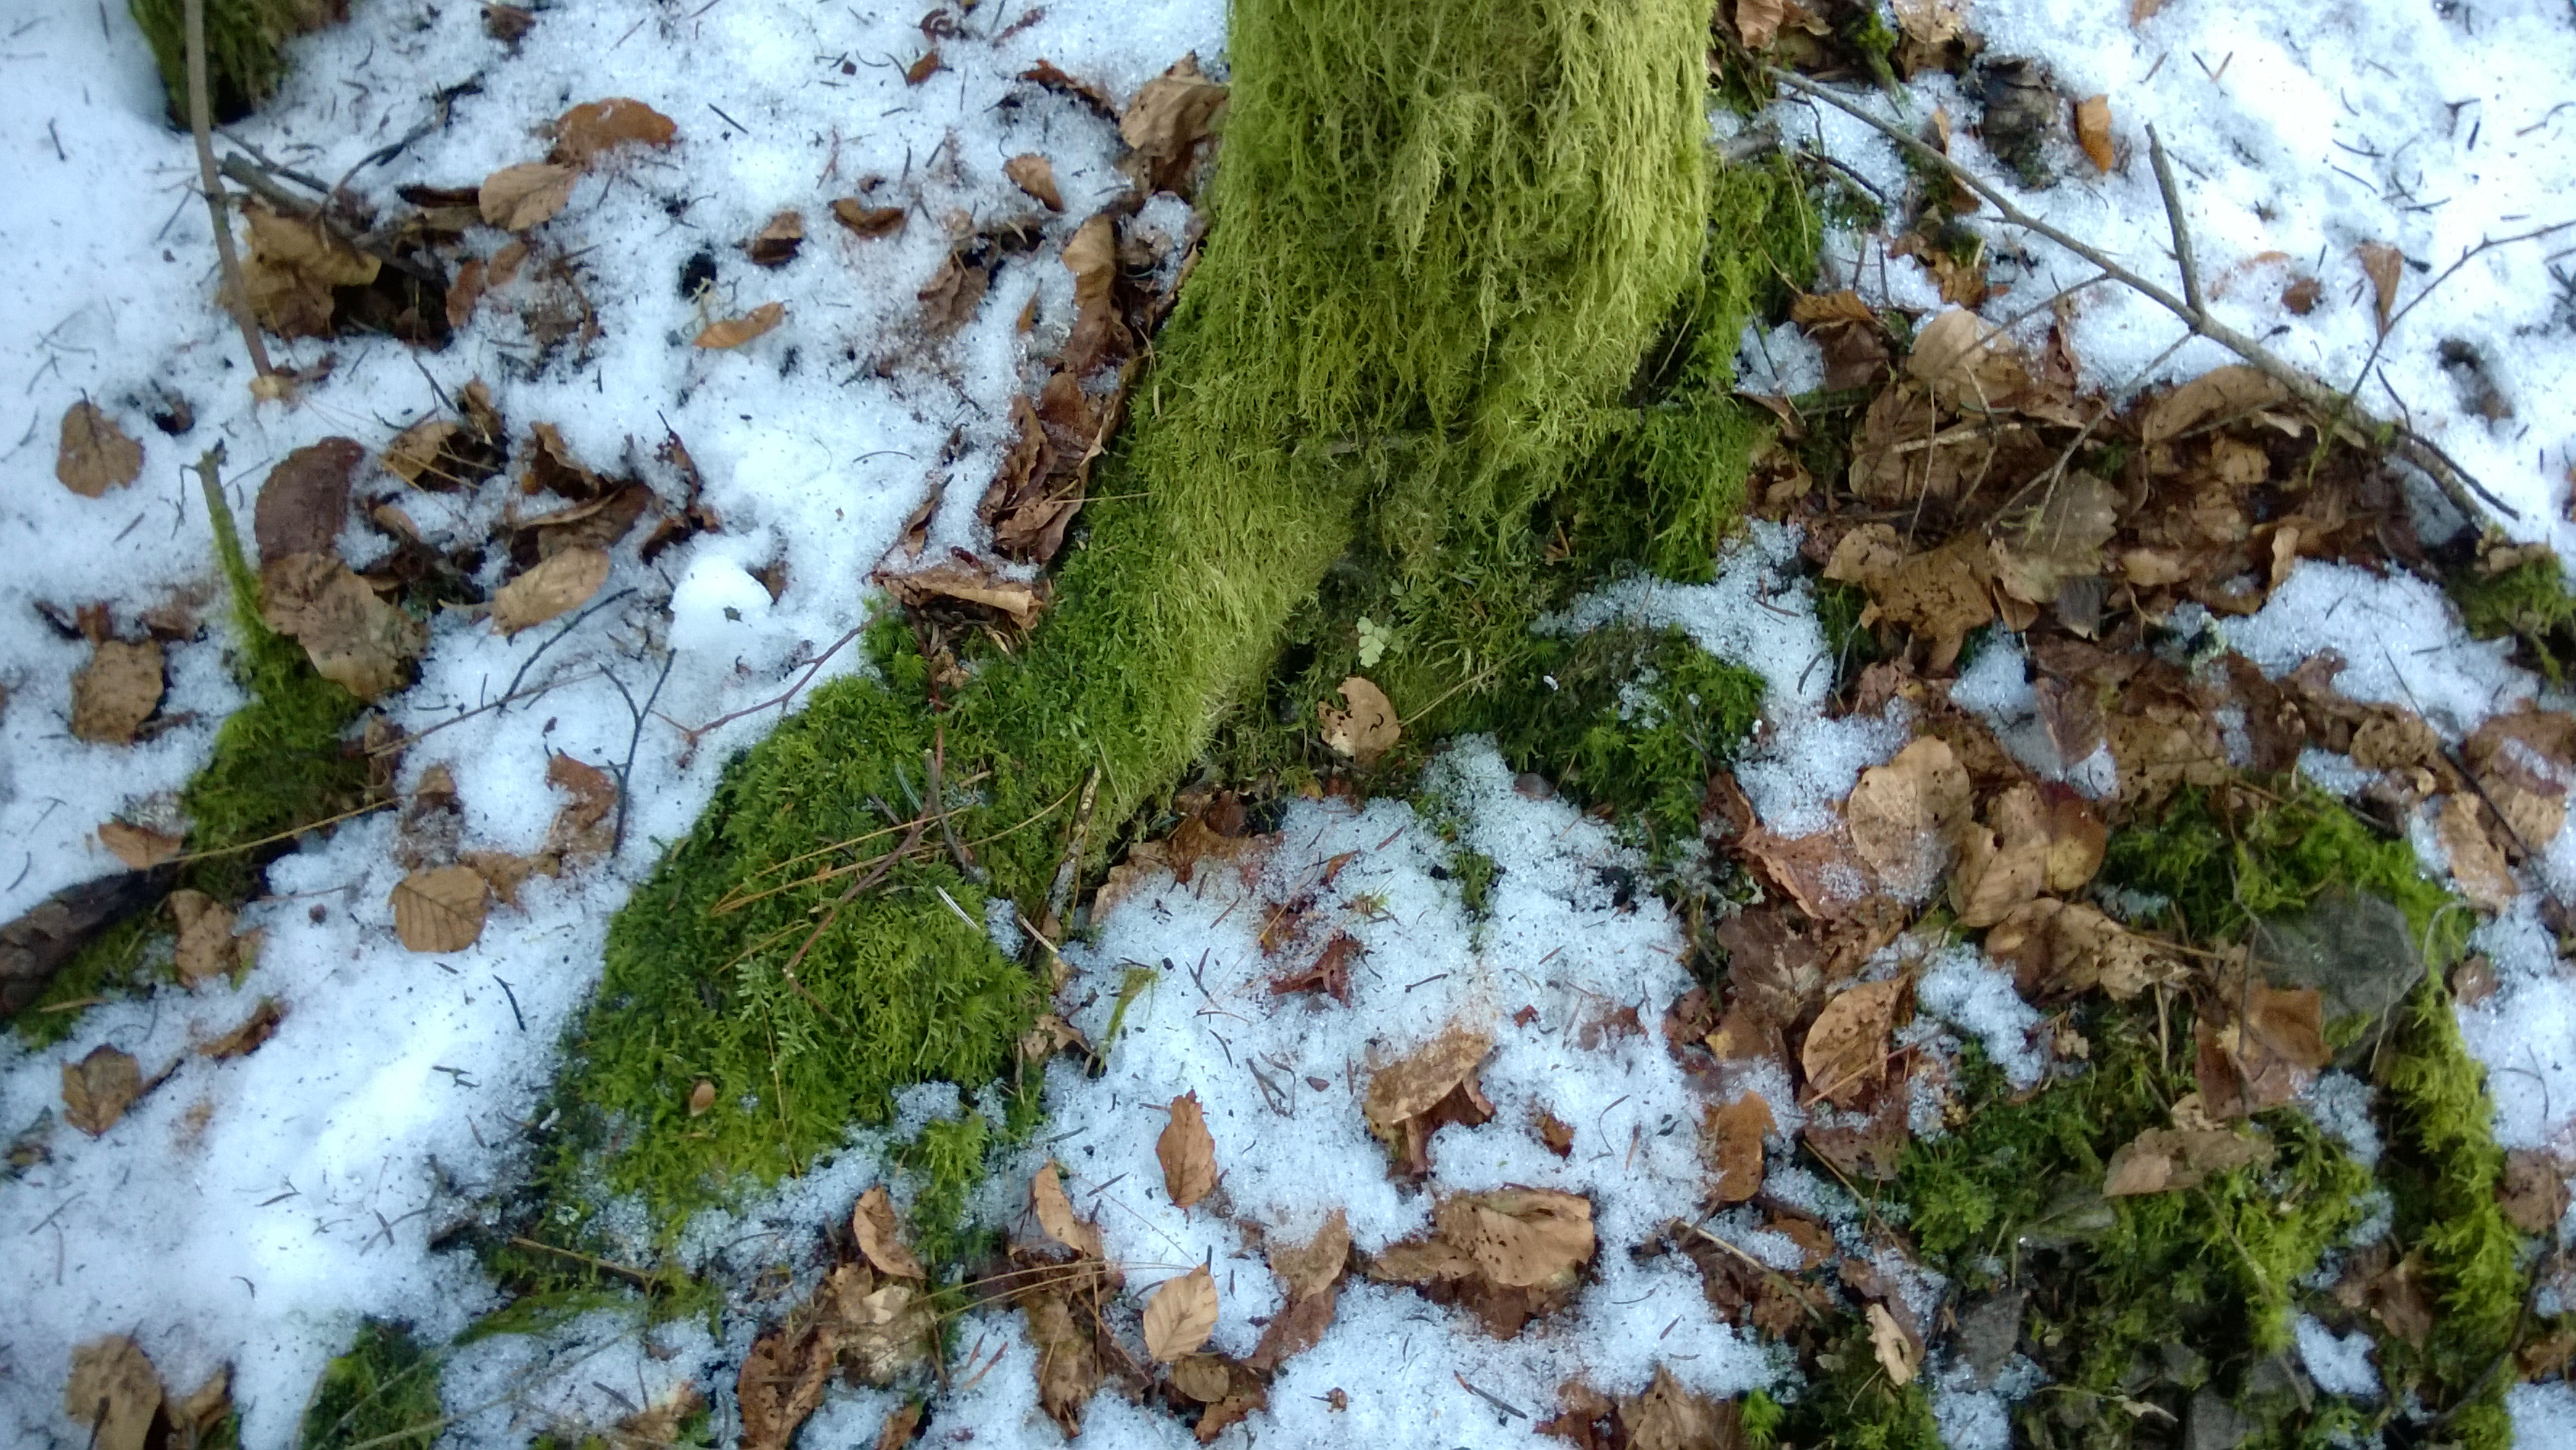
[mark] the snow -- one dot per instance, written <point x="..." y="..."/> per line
<point x="2340" y="1364"/>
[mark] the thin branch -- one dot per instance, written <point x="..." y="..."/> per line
<point x="2173" y="217"/>
<point x="693" y="736"/>
<point x="930" y="761"/>
<point x="200" y="123"/>
<point x="2321" y="399"/>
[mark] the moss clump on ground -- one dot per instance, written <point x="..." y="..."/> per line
<point x="1445" y="242"/>
<point x="2530" y="603"/>
<point x="382" y="1392"/>
<point x="281" y="763"/>
<point x="245" y="60"/>
<point x="1851" y="1405"/>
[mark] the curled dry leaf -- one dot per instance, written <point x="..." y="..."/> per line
<point x="1056" y="1216"/>
<point x="1034" y="174"/>
<point x="1507" y="1255"/>
<point x="960" y="584"/>
<point x="2167" y="1160"/>
<point x="583" y="826"/>
<point x="1187" y="1153"/>
<point x="2093" y="131"/>
<point x="516" y="198"/>
<point x="777" y="244"/>
<point x="1367" y="730"/>
<point x="1413" y="1085"/>
<point x="99" y="1088"/>
<point x="593" y="128"/>
<point x="441" y="909"/>
<point x="560" y="583"/>
<point x="1902" y="815"/>
<point x="2477" y="862"/>
<point x="304" y="502"/>
<point x="1166" y="123"/>
<point x="115" y="1391"/>
<point x="1180" y="1315"/>
<point x="872" y="1225"/>
<point x="1931" y="22"/>
<point x="1897" y="1352"/>
<point x="1845" y="1054"/>
<point x="257" y="1028"/>
<point x="2057" y="949"/>
<point x="94" y="455"/>
<point x="140" y="847"/>
<point x="1315" y="1265"/>
<point x="354" y="637"/>
<point x="1757" y="22"/>
<point x="2004" y="862"/>
<point x="295" y="264"/>
<point x="2221" y="393"/>
<point x="733" y="332"/>
<point x="2386" y="267"/>
<point x="865" y="220"/>
<point x="116" y="691"/>
<point x="1731" y="1143"/>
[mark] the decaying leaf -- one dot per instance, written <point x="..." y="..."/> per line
<point x="2524" y="763"/>
<point x="1068" y="1361"/>
<point x="1413" y="1085"/>
<point x="1187" y="1153"/>
<point x="2221" y="393"/>
<point x="1367" y="730"/>
<point x="1181" y="1315"/>
<point x="304" y="502"/>
<point x="1507" y="1256"/>
<point x="2004" y="861"/>
<point x="1315" y="1265"/>
<point x="873" y="1228"/>
<point x="115" y="1391"/>
<point x="949" y="299"/>
<point x="2477" y="862"/>
<point x="583" y="826"/>
<point x="2533" y="1191"/>
<point x="1165" y="125"/>
<point x="956" y="583"/>
<point x="293" y="266"/>
<point x="2166" y="1160"/>
<point x="94" y="455"/>
<point x="1757" y="22"/>
<point x="140" y="847"/>
<point x="2039" y="551"/>
<point x="440" y="909"/>
<point x="354" y="636"/>
<point x="516" y="198"/>
<point x="206" y="947"/>
<point x="1670" y="1416"/>
<point x="1940" y="595"/>
<point x="2057" y="949"/>
<point x="1902" y="815"/>
<point x="557" y="585"/>
<point x="2385" y="266"/>
<point x="116" y="691"/>
<point x="776" y="244"/>
<point x="1897" y="1352"/>
<point x="2093" y="131"/>
<point x="733" y="332"/>
<point x="593" y="128"/>
<point x="1034" y="174"/>
<point x="257" y="1028"/>
<point x="1845" y="1055"/>
<point x="1056" y="1216"/>
<point x="2263" y="1059"/>
<point x="99" y="1088"/>
<point x="865" y="220"/>
<point x="1731" y="1137"/>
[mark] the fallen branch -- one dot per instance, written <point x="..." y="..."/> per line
<point x="2325" y="401"/>
<point x="200" y="123"/>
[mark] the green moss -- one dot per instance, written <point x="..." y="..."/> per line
<point x="244" y="55"/>
<point x="383" y="1392"/>
<point x="2529" y="602"/>
<point x="1851" y="1405"/>
<point x="945" y="1161"/>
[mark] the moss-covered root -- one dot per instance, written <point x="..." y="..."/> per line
<point x="1442" y="236"/>
<point x="244" y="55"/>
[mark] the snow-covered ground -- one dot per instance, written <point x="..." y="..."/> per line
<point x="252" y="1210"/>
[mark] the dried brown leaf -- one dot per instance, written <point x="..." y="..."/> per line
<point x="94" y="455"/>
<point x="594" y="128"/>
<point x="2385" y="266"/>
<point x="1180" y="1315"/>
<point x="2003" y="862"/>
<point x="557" y="585"/>
<point x="294" y="265"/>
<point x="1367" y="730"/>
<point x="1897" y="1352"/>
<point x="1757" y="22"/>
<point x="1731" y="1137"/>
<point x="115" y="1391"/>
<point x="516" y="198"/>
<point x="205" y="946"/>
<point x="257" y="1028"/>
<point x="140" y="847"/>
<point x="2093" y="131"/>
<point x="583" y="826"/>
<point x="2167" y="1160"/>
<point x="116" y="691"/>
<point x="873" y="1227"/>
<point x="1035" y="174"/>
<point x="1669" y="1416"/>
<point x="865" y="220"/>
<point x="2533" y="1191"/>
<point x="99" y="1088"/>
<point x="1315" y="1265"/>
<point x="1165" y="125"/>
<point x="956" y="583"/>
<point x="2221" y="393"/>
<point x="1414" y="1084"/>
<point x="440" y="909"/>
<point x="777" y="243"/>
<point x="304" y="503"/>
<point x="1187" y="1153"/>
<point x="1902" y="815"/>
<point x="2477" y="862"/>
<point x="733" y="332"/>
<point x="1056" y="1216"/>
<point x="1845" y="1054"/>
<point x="354" y="637"/>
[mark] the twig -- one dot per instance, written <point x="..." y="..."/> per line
<point x="626" y="772"/>
<point x="2326" y="402"/>
<point x="236" y="294"/>
<point x="692" y="736"/>
<point x="2173" y="218"/>
<point x="885" y="865"/>
<point x="638" y="1276"/>
<point x="1069" y="870"/>
<point x="569" y="626"/>
<point x="939" y="812"/>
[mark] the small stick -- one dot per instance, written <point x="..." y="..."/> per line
<point x="1069" y="870"/>
<point x="200" y="122"/>
<point x="939" y="812"/>
<point x="2173" y="217"/>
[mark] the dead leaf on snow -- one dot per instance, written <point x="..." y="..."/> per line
<point x="1507" y="1255"/>
<point x="257" y="1028"/>
<point x="2477" y="862"/>
<point x="1034" y="174"/>
<point x="902" y="1423"/>
<point x="304" y="502"/>
<point x="777" y="244"/>
<point x="2167" y="1160"/>
<point x="2533" y="1190"/>
<point x="94" y="455"/>
<point x="949" y="299"/>
<point x="865" y="220"/>
<point x="116" y="691"/>
<point x="1897" y="1352"/>
<point x="140" y="847"/>
<point x="732" y="332"/>
<point x="1669" y="1416"/>
<point x="583" y="825"/>
<point x="1294" y="1329"/>
<point x="115" y="1391"/>
<point x="1068" y="1363"/>
<point x="1902" y="815"/>
<point x="558" y="584"/>
<point x="1414" y="1084"/>
<point x="2219" y="394"/>
<point x="594" y="128"/>
<point x="2093" y="131"/>
<point x="1187" y="1153"/>
<point x="2525" y="762"/>
<point x="1731" y="1137"/>
<point x="354" y="637"/>
<point x="1940" y="596"/>
<point x="1931" y="22"/>
<point x="516" y="198"/>
<point x="1165" y="125"/>
<point x="2385" y="266"/>
<point x="1181" y="1315"/>
<point x="1056" y="1216"/>
<point x="1099" y="334"/>
<point x="1845" y="1054"/>
<point x="441" y="909"/>
<point x="1367" y="730"/>
<point x="1315" y="1265"/>
<point x="292" y="269"/>
<point x="873" y="1227"/>
<point x="205" y="947"/>
<point x="99" y="1088"/>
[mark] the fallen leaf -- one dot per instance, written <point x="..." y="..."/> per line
<point x="777" y="244"/>
<point x="583" y="826"/>
<point x="1669" y="1416"/>
<point x="2038" y="552"/>
<point x="1056" y="1216"/>
<point x="2004" y="861"/>
<point x="1330" y="974"/>
<point x="1896" y="1350"/>
<point x="1902" y="815"/>
<point x="205" y="946"/>
<point x="1507" y="1255"/>
<point x="873" y="1227"/>
<point x="2264" y="1060"/>
<point x="956" y="583"/>
<point x="294" y="267"/>
<point x="557" y="585"/>
<point x="1845" y="1054"/>
<point x="902" y="1423"/>
<point x="140" y="847"/>
<point x="516" y="198"/>
<point x="115" y="1391"/>
<point x="1180" y="1315"/>
<point x="1930" y="22"/>
<point x="1048" y="75"/>
<point x="1034" y="174"/>
<point x="2167" y="1160"/>
<point x="702" y="1098"/>
<point x="733" y="332"/>
<point x="1187" y="1153"/>
<point x="93" y="454"/>
<point x="2057" y="949"/>
<point x="354" y="637"/>
<point x="2219" y="394"/>
<point x="865" y="220"/>
<point x="2525" y="762"/>
<point x="99" y="1088"/>
<point x="2093" y="131"/>
<point x="1412" y="1085"/>
<point x="594" y="128"/>
<point x="1315" y="1265"/>
<point x="1367" y="730"/>
<point x="440" y="909"/>
<point x="2533" y="1191"/>
<point x="257" y="1028"/>
<point x="924" y="68"/>
<point x="195" y="1419"/>
<point x="116" y="691"/>
<point x="1731" y="1143"/>
<point x="1757" y="22"/>
<point x="1940" y="596"/>
<point x="2385" y="266"/>
<point x="781" y="1384"/>
<point x="304" y="502"/>
<point x="1164" y="126"/>
<point x="1099" y="334"/>
<point x="2301" y="295"/>
<point x="2477" y="862"/>
<point x="1068" y="1364"/>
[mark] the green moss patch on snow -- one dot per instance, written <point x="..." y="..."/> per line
<point x="380" y="1392"/>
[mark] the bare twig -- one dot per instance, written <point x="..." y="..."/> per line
<point x="1069" y="870"/>
<point x="200" y="123"/>
<point x="692" y="736"/>
<point x="2320" y="398"/>
<point x="930" y="761"/>
<point x="2173" y="218"/>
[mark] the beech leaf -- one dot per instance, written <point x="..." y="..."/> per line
<point x="2093" y="131"/>
<point x="529" y="194"/>
<point x="1187" y="1153"/>
<point x="354" y="636"/>
<point x="1056" y="1216"/>
<point x="1845" y="1054"/>
<point x="865" y="220"/>
<point x="99" y="1088"/>
<point x="1365" y="731"/>
<point x="1896" y="1350"/>
<point x="2386" y="267"/>
<point x="557" y="584"/>
<point x="735" y="331"/>
<point x="1731" y="1141"/>
<point x="94" y="455"/>
<point x="441" y="909"/>
<point x="592" y="128"/>
<point x="116" y="691"/>
<point x="1181" y="1315"/>
<point x="1035" y="175"/>
<point x="115" y="1391"/>
<point x="872" y="1224"/>
<point x="140" y="847"/>
<point x="1314" y="1266"/>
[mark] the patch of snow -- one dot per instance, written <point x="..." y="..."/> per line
<point x="2340" y="1364"/>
